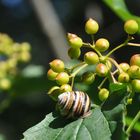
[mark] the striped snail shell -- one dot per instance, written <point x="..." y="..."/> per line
<point x="74" y="104"/>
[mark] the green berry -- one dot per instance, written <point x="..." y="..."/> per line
<point x="57" y="65"/>
<point x="74" y="41"/>
<point x="91" y="58"/>
<point x="65" y="88"/>
<point x="124" y="66"/>
<point x="24" y="56"/>
<point x="136" y="85"/>
<point x="103" y="94"/>
<point x="51" y="74"/>
<point x="25" y="46"/>
<point x="134" y="72"/>
<point x="91" y="26"/>
<point x="129" y="101"/>
<point x="123" y="77"/>
<point x="74" y="53"/>
<point x="101" y="70"/>
<point x="135" y="60"/>
<point x="102" y="44"/>
<point x="88" y="78"/>
<point x="5" y="84"/>
<point x="131" y="27"/>
<point x="62" y="78"/>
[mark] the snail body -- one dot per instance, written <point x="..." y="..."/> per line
<point x="74" y="104"/>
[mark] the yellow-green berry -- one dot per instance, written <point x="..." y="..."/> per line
<point x="88" y="78"/>
<point x="124" y="66"/>
<point x="101" y="70"/>
<point x="74" y="53"/>
<point x="135" y="60"/>
<point x="131" y="27"/>
<point x="5" y="84"/>
<point x="91" y="26"/>
<point x="57" y="65"/>
<point x="136" y="85"/>
<point x="134" y="72"/>
<point x="62" y="78"/>
<point x="102" y="44"/>
<point x="103" y="94"/>
<point x="123" y="77"/>
<point x="91" y="58"/>
<point x="65" y="88"/>
<point x="51" y="74"/>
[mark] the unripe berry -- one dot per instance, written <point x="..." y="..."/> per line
<point x="51" y="74"/>
<point x="24" y="56"/>
<point x="88" y="78"/>
<point x="54" y="92"/>
<point x="134" y="72"/>
<point x="57" y="65"/>
<point x="74" y="53"/>
<point x="131" y="27"/>
<point x="123" y="77"/>
<point x="91" y="58"/>
<point x="135" y="60"/>
<point x="25" y="46"/>
<point x="62" y="78"/>
<point x="129" y="101"/>
<point x="124" y="66"/>
<point x="103" y="94"/>
<point x="91" y="26"/>
<point x="101" y="70"/>
<point x="5" y="84"/>
<point x="136" y="85"/>
<point x="65" y="88"/>
<point x="74" y="41"/>
<point x="102" y="44"/>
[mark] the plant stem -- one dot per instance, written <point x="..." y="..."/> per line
<point x="116" y="48"/>
<point x="136" y="118"/>
<point x="133" y="44"/>
<point x="115" y="63"/>
<point x="101" y="84"/>
<point x="78" y="70"/>
<point x="78" y="65"/>
<point x="82" y="67"/>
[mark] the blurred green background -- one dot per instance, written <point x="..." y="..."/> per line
<point x="44" y="25"/>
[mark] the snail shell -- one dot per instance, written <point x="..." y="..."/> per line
<point x="74" y="104"/>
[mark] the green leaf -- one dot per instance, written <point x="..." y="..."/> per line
<point x="121" y="10"/>
<point x="117" y="87"/>
<point x="94" y="127"/>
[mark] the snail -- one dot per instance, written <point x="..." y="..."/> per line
<point x="74" y="104"/>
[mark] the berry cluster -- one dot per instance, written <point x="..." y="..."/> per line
<point x="123" y="73"/>
<point x="11" y="53"/>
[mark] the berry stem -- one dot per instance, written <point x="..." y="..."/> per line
<point x="136" y="118"/>
<point x="74" y="73"/>
<point x="78" y="65"/>
<point x="92" y="37"/>
<point x="115" y="63"/>
<point x="133" y="44"/>
<point x="101" y="84"/>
